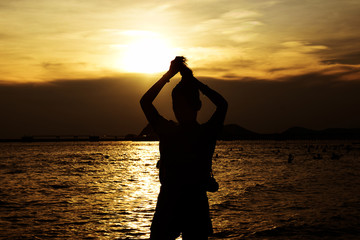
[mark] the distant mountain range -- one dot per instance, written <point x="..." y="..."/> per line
<point x="229" y="132"/>
<point x="235" y="132"/>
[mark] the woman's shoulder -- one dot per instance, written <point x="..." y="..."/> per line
<point x="165" y="127"/>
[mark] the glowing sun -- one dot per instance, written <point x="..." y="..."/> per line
<point x="147" y="55"/>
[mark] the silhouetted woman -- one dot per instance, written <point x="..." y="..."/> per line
<point x="186" y="150"/>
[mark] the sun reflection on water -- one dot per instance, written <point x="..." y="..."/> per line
<point x="137" y="181"/>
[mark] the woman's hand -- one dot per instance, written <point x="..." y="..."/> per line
<point x="174" y="67"/>
<point x="185" y="71"/>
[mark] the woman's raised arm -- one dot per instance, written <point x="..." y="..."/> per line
<point x="215" y="97"/>
<point x="146" y="101"/>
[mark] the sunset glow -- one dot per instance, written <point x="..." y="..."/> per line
<point x="226" y="40"/>
<point x="147" y="55"/>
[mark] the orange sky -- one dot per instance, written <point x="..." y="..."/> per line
<point x="42" y="40"/>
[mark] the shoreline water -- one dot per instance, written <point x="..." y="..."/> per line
<point x="108" y="190"/>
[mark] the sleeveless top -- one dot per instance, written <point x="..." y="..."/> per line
<point x="185" y="152"/>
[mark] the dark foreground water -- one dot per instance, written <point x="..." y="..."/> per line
<point x="108" y="190"/>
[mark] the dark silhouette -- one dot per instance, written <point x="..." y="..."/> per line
<point x="290" y="158"/>
<point x="186" y="150"/>
<point x="318" y="156"/>
<point x="335" y="156"/>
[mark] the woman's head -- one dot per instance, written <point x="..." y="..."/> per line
<point x="184" y="70"/>
<point x="186" y="101"/>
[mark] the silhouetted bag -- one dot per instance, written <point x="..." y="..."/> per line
<point x="212" y="185"/>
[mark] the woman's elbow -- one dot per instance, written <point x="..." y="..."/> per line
<point x="145" y="103"/>
<point x="144" y="100"/>
<point x="224" y="104"/>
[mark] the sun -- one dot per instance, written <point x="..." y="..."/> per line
<point x="147" y="55"/>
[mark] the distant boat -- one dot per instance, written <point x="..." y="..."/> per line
<point x="94" y="138"/>
<point x="290" y="158"/>
<point x="335" y="156"/>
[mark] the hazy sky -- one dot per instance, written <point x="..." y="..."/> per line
<point x="236" y="42"/>
<point x="48" y="39"/>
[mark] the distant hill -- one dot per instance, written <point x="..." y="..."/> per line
<point x="236" y="132"/>
<point x="299" y="131"/>
<point x="229" y="132"/>
<point x="147" y="134"/>
<point x="330" y="133"/>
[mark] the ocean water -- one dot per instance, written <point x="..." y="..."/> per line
<point x="108" y="190"/>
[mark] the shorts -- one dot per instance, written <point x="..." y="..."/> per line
<point x="181" y="210"/>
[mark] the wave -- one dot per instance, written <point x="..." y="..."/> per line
<point x="306" y="231"/>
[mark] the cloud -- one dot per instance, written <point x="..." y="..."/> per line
<point x="50" y="66"/>
<point x="240" y="39"/>
<point x="301" y="46"/>
<point x="315" y="101"/>
<point x="253" y="39"/>
<point x="111" y="105"/>
<point x="326" y="23"/>
<point x="98" y="106"/>
<point x="288" y="58"/>
<point x="230" y="27"/>
<point x="58" y="66"/>
<point x="343" y="51"/>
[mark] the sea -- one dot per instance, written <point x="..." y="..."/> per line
<point x="108" y="190"/>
